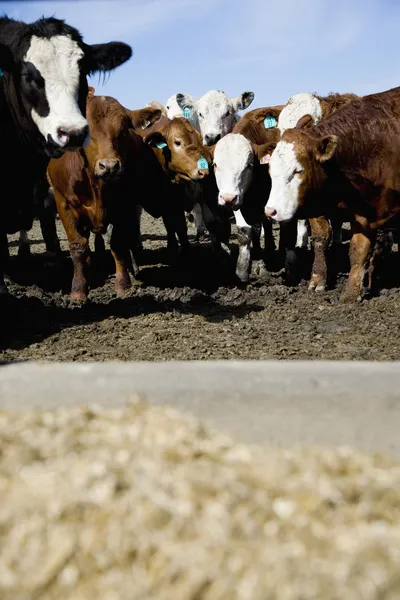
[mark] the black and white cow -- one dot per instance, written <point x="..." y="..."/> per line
<point x="43" y="88"/>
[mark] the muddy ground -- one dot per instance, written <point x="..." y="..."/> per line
<point x="192" y="311"/>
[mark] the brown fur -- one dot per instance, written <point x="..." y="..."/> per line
<point x="334" y="101"/>
<point x="184" y="148"/>
<point x="88" y="200"/>
<point x="354" y="156"/>
<point x="251" y="125"/>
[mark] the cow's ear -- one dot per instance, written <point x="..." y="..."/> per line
<point x="304" y="122"/>
<point x="161" y="107"/>
<point x="325" y="148"/>
<point x="106" y="57"/>
<point x="184" y="101"/>
<point x="145" y="117"/>
<point x="91" y="91"/>
<point x="264" y="152"/>
<point x="156" y="139"/>
<point x="243" y="101"/>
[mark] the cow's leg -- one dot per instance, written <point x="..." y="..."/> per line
<point x="361" y="247"/>
<point x="219" y="229"/>
<point x="175" y="224"/>
<point x="287" y="242"/>
<point x="302" y="234"/>
<point x="4" y="255"/>
<point x="137" y="222"/>
<point x="382" y="247"/>
<point x="258" y="268"/>
<point x="78" y="248"/>
<point x="199" y="223"/>
<point x="135" y="244"/>
<point x="47" y="219"/>
<point x="24" y="248"/>
<point x="321" y="235"/>
<point x="269" y="242"/>
<point x="99" y="244"/>
<point x="244" y="238"/>
<point x="120" y="252"/>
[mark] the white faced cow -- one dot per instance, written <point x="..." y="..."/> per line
<point x="175" y="110"/>
<point x="304" y="110"/>
<point x="217" y="113"/>
<point x="43" y="89"/>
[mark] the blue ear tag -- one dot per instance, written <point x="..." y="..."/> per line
<point x="202" y="163"/>
<point x="161" y="145"/>
<point x="270" y="122"/>
<point x="1" y="72"/>
<point x="187" y="113"/>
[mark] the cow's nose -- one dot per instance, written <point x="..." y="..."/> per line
<point x="72" y="137"/>
<point x="106" y="167"/>
<point x="229" y="198"/>
<point x="270" y="212"/>
<point x="211" y="138"/>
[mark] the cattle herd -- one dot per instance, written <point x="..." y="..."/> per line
<point x="310" y="166"/>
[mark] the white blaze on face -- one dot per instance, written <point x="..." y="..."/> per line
<point x="172" y="107"/>
<point x="57" y="61"/>
<point x="234" y="160"/>
<point x="297" y="106"/>
<point x="285" y="171"/>
<point x="216" y="115"/>
<point x="174" y="110"/>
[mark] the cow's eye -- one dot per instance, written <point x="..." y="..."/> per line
<point x="177" y="143"/>
<point x="298" y="171"/>
<point x="227" y="114"/>
<point x="201" y="116"/>
<point x="167" y="107"/>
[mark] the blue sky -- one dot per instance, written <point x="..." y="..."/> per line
<point x="273" y="48"/>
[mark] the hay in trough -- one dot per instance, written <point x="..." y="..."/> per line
<point x="144" y="503"/>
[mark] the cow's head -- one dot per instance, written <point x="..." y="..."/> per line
<point x="235" y="159"/>
<point x="46" y="72"/>
<point x="298" y="106"/>
<point x="297" y="170"/>
<point x="216" y="113"/>
<point x="183" y="105"/>
<point x="180" y="150"/>
<point x="111" y="125"/>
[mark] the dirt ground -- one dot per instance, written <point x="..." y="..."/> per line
<point x="191" y="311"/>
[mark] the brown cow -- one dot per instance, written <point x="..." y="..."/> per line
<point x="104" y="183"/>
<point x="179" y="155"/>
<point x="352" y="159"/>
<point x="179" y="150"/>
<point x="302" y="111"/>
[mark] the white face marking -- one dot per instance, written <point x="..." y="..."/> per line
<point x="216" y="115"/>
<point x="296" y="107"/>
<point x="174" y="110"/>
<point x="234" y="160"/>
<point x="284" y="169"/>
<point x="57" y="60"/>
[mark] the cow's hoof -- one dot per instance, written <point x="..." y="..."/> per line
<point x="317" y="287"/>
<point x="350" y="296"/>
<point x="243" y="276"/>
<point x="78" y="297"/>
<point x="259" y="270"/>
<point x="122" y="285"/>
